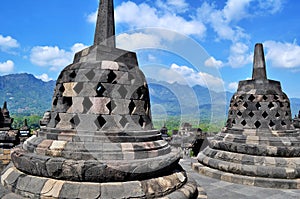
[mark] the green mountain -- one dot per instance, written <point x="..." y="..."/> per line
<point x="25" y="94"/>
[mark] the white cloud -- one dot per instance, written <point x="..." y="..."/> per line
<point x="285" y="55"/>
<point x="137" y="41"/>
<point x="53" y="56"/>
<point x="239" y="55"/>
<point x="143" y="15"/>
<point x="232" y="86"/>
<point x="178" y="6"/>
<point x="7" y="66"/>
<point x="7" y="43"/>
<point x="186" y="75"/>
<point x="212" y="62"/>
<point x="44" y="77"/>
<point x="92" y="18"/>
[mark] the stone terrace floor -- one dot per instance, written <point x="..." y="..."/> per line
<point x="217" y="189"/>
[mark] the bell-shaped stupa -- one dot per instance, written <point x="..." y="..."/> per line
<point x="259" y="145"/>
<point x="98" y="140"/>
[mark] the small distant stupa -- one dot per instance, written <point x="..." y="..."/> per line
<point x="259" y="145"/>
<point x="98" y="140"/>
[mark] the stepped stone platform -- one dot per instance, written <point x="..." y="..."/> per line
<point x="259" y="145"/>
<point x="98" y="140"/>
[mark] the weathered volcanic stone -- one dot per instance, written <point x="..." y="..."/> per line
<point x="259" y="144"/>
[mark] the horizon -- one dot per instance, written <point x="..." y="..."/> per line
<point x="220" y="38"/>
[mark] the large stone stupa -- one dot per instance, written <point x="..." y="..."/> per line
<point x="259" y="145"/>
<point x="98" y="140"/>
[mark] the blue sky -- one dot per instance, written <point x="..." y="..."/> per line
<point x="203" y="42"/>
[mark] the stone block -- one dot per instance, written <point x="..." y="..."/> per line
<point x="109" y="65"/>
<point x="89" y="190"/>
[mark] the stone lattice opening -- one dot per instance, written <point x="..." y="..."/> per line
<point x="233" y="121"/>
<point x="72" y="74"/>
<point x="100" y="121"/>
<point x="67" y="101"/>
<point x="108" y="105"/>
<point x="100" y="90"/>
<point x="281" y="104"/>
<point x="111" y="77"/>
<point x="257" y="105"/>
<point x="87" y="104"/>
<point x="271" y="124"/>
<point x="239" y="113"/>
<point x="251" y="98"/>
<point x="257" y="124"/>
<point x="235" y="105"/>
<point x="277" y="115"/>
<point x="283" y="123"/>
<point x="141" y="121"/>
<point x="276" y="97"/>
<point x="270" y="105"/>
<point x="245" y="105"/>
<point x="131" y="107"/>
<point x="265" y="114"/>
<point x="265" y="97"/>
<point x="244" y="122"/>
<point x="251" y="114"/>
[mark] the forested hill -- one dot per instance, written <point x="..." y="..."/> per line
<point x="25" y="94"/>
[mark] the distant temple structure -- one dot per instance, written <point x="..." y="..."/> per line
<point x="8" y="136"/>
<point x="259" y="145"/>
<point x="98" y="140"/>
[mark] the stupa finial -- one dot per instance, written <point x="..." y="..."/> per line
<point x="105" y="26"/>
<point x="259" y="64"/>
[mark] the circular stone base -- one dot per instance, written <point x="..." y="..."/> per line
<point x="247" y="180"/>
<point x="173" y="186"/>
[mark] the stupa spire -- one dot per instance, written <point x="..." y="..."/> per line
<point x="105" y="26"/>
<point x="259" y="64"/>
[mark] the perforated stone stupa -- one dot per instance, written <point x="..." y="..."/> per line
<point x="259" y="144"/>
<point x="98" y="140"/>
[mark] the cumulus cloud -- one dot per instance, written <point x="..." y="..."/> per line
<point x="285" y="55"/>
<point x="7" y="66"/>
<point x="212" y="62"/>
<point x="53" y="56"/>
<point x="44" y="77"/>
<point x="187" y="76"/>
<point x="239" y="55"/>
<point x="7" y="43"/>
<point x="143" y="15"/>
<point x="232" y="86"/>
<point x="178" y="6"/>
<point x="138" y="40"/>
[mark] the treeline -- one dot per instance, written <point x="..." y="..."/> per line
<point x="33" y="121"/>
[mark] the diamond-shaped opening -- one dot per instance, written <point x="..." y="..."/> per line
<point x="100" y="90"/>
<point x="283" y="123"/>
<point x="257" y="124"/>
<point x="141" y="121"/>
<point x="146" y="106"/>
<point x="57" y="119"/>
<point x="122" y="91"/>
<point x="276" y="97"/>
<point x="265" y="114"/>
<point x="87" y="104"/>
<point x="239" y="113"/>
<point x="281" y="104"/>
<point x="271" y="105"/>
<point x="251" y="114"/>
<point x="230" y="112"/>
<point x="111" y="77"/>
<point x="61" y="88"/>
<point x="241" y="97"/>
<point x="288" y="105"/>
<point x="90" y="75"/>
<point x="72" y="74"/>
<point x="245" y="105"/>
<point x="277" y="115"/>
<point x="265" y="97"/>
<point x="123" y="121"/>
<point x="271" y="124"/>
<point x="55" y="101"/>
<point x="75" y="121"/>
<point x="131" y="107"/>
<point x="233" y="121"/>
<point x="244" y="122"/>
<point x="251" y="98"/>
<point x="235" y="104"/>
<point x="257" y="105"/>
<point x="67" y="101"/>
<point x="108" y="105"/>
<point x="78" y="87"/>
<point x="100" y="121"/>
<point x="287" y="113"/>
